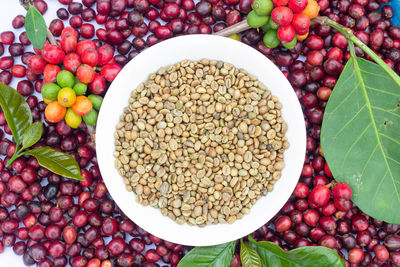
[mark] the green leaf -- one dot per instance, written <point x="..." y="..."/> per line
<point x="249" y="256"/>
<point x="16" y="110"/>
<point x="312" y="256"/>
<point x="35" y="27"/>
<point x="32" y="134"/>
<point x="213" y="256"/>
<point x="56" y="161"/>
<point x="360" y="138"/>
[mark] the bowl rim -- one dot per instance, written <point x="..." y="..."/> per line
<point x="161" y="227"/>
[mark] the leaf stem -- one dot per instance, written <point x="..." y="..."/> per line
<point x="350" y="36"/>
<point x="352" y="50"/>
<point x="14" y="157"/>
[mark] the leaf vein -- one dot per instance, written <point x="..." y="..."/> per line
<point x="366" y="96"/>
<point x="355" y="142"/>
<point x="392" y="159"/>
<point x="387" y="111"/>
<point x="379" y="185"/>
<point x="350" y="121"/>
<point x="382" y="91"/>
<point x="366" y="163"/>
<point x="374" y="74"/>
<point x="390" y="138"/>
<point x="344" y="100"/>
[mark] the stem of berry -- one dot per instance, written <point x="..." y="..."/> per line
<point x="236" y="28"/>
<point x="51" y="38"/>
<point x="242" y="26"/>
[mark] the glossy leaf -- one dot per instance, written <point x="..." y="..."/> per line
<point x="32" y="134"/>
<point x="310" y="256"/>
<point x="35" y="27"/>
<point x="249" y="256"/>
<point x="56" y="161"/>
<point x="360" y="138"/>
<point x="212" y="256"/>
<point x="16" y="110"/>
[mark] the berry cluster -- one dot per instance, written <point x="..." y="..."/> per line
<point x="289" y="20"/>
<point x="64" y="90"/>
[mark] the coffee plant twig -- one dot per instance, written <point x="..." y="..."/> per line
<point x="347" y="33"/>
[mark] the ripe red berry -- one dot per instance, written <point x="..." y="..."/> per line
<point x="72" y="61"/>
<point x="360" y="223"/>
<point x="50" y="73"/>
<point x="297" y="5"/>
<point x="341" y="190"/>
<point x="381" y="253"/>
<point x="36" y="64"/>
<point x="52" y="54"/>
<point x="339" y="40"/>
<point x="69" y="43"/>
<point x="90" y="56"/>
<point x="319" y="196"/>
<point x="83" y="45"/>
<point x="301" y="23"/>
<point x="106" y="53"/>
<point x="301" y="190"/>
<point x="280" y="2"/>
<point x="283" y="224"/>
<point x="311" y="217"/>
<point x="69" y="234"/>
<point x="69" y="31"/>
<point x="342" y="204"/>
<point x="356" y="255"/>
<point x="286" y="33"/>
<point x="327" y="170"/>
<point x="110" y="71"/>
<point x="98" y="85"/>
<point x="282" y="15"/>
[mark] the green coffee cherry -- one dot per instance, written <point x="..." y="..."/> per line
<point x="80" y="88"/>
<point x="266" y="27"/>
<point x="262" y="7"/>
<point x="291" y="44"/>
<point x="255" y="20"/>
<point x="65" y="79"/>
<point x="50" y="91"/>
<point x="273" y="24"/>
<point x="96" y="101"/>
<point x="91" y="118"/>
<point x="271" y="39"/>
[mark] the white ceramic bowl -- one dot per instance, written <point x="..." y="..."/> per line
<point x="195" y="47"/>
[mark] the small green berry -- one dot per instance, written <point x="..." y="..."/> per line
<point x="255" y="20"/>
